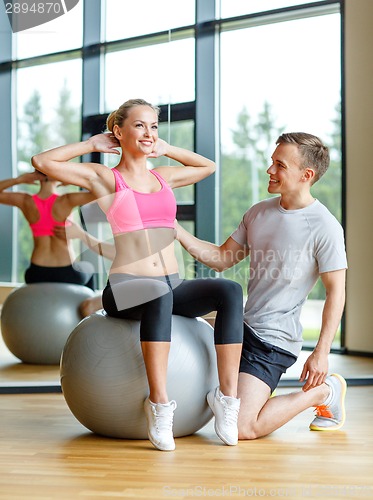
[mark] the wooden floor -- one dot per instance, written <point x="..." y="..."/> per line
<point x="45" y="453"/>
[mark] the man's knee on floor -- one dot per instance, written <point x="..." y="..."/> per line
<point x="247" y="430"/>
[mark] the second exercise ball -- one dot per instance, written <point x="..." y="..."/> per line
<point x="37" y="319"/>
<point x="104" y="381"/>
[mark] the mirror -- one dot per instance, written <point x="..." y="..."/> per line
<point x="16" y="376"/>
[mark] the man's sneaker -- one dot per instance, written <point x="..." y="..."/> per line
<point x="160" y="418"/>
<point x="225" y="409"/>
<point x="331" y="415"/>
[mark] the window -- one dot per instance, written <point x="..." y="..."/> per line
<point x="130" y="19"/>
<point x="161" y="73"/>
<point x="61" y="34"/>
<point x="49" y="101"/>
<point x="275" y="71"/>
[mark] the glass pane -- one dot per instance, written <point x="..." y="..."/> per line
<point x="311" y="316"/>
<point x="102" y="231"/>
<point x="161" y="74"/>
<point x="293" y="88"/>
<point x="48" y="115"/>
<point x="141" y="18"/>
<point x="61" y="34"/>
<point x="179" y="134"/>
<point x="187" y="265"/>
<point x="231" y="8"/>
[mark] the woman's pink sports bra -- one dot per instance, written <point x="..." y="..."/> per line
<point x="44" y="226"/>
<point x="132" y="210"/>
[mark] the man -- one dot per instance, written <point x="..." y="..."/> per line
<point x="291" y="239"/>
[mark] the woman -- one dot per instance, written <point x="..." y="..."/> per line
<point x="143" y="280"/>
<point x="52" y="257"/>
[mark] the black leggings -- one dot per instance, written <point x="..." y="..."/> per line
<point x="80" y="274"/>
<point x="153" y="300"/>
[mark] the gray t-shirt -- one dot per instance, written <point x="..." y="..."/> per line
<point x="288" y="251"/>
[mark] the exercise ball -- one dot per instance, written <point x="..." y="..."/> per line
<point x="37" y="319"/>
<point x="104" y="381"/>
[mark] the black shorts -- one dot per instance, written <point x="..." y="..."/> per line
<point x="82" y="273"/>
<point x="153" y="300"/>
<point x="263" y="360"/>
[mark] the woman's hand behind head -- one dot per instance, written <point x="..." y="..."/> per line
<point x="160" y="149"/>
<point x="31" y="177"/>
<point x="105" y="143"/>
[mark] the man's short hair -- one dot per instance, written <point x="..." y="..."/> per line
<point x="313" y="152"/>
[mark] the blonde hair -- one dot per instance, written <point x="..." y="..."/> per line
<point x="313" y="152"/>
<point x="118" y="116"/>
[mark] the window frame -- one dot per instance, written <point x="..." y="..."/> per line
<point x="204" y="110"/>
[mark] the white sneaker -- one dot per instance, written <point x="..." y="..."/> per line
<point x="225" y="409"/>
<point x="160" y="419"/>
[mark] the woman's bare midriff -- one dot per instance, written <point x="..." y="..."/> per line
<point x="147" y="252"/>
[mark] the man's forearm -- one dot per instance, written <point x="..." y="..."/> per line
<point x="205" y="252"/>
<point x="107" y="250"/>
<point x="331" y="318"/>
